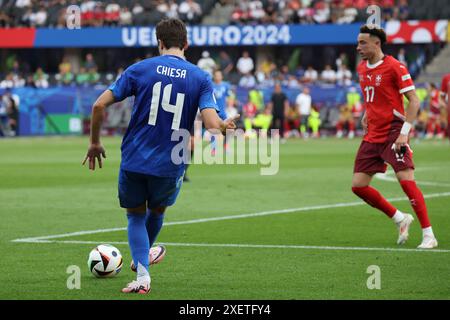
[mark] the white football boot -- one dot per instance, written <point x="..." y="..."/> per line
<point x="428" y="242"/>
<point x="155" y="255"/>
<point x="141" y="287"/>
<point x="403" y="228"/>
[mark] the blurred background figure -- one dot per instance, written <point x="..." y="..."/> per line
<point x="345" y="119"/>
<point x="434" y="115"/>
<point x="9" y="113"/>
<point x="304" y="103"/>
<point x="206" y="63"/>
<point x="245" y="64"/>
<point x="279" y="104"/>
<point x="314" y="122"/>
<point x="249" y="111"/>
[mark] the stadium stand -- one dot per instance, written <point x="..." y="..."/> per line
<point x="51" y="13"/>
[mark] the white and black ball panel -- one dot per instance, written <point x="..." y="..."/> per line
<point x="105" y="261"/>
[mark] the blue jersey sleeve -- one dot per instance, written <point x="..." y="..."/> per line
<point x="207" y="99"/>
<point x="123" y="87"/>
<point x="222" y="114"/>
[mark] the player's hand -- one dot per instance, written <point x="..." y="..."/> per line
<point x="401" y="144"/>
<point x="95" y="151"/>
<point x="230" y="123"/>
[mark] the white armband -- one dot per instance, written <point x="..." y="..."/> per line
<point x="406" y="128"/>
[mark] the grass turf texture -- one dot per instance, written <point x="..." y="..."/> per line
<point x="44" y="190"/>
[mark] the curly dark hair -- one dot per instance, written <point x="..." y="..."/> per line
<point x="374" y="31"/>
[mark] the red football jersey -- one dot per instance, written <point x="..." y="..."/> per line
<point x="434" y="102"/>
<point x="445" y="84"/>
<point x="250" y="110"/>
<point x="383" y="85"/>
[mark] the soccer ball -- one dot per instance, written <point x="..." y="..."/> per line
<point x="105" y="261"/>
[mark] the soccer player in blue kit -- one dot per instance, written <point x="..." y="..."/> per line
<point x="168" y="92"/>
<point x="221" y="93"/>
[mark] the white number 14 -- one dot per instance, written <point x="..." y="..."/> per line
<point x="165" y="104"/>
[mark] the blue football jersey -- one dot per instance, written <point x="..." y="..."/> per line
<point x="221" y="92"/>
<point x="168" y="91"/>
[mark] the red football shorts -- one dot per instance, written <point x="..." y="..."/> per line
<point x="374" y="157"/>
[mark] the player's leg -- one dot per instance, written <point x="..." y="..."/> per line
<point x="403" y="166"/>
<point x="367" y="163"/>
<point x="282" y="132"/>
<point x="340" y="128"/>
<point x="191" y="150"/>
<point x="139" y="246"/>
<point x="409" y="186"/>
<point x="430" y="127"/>
<point x="351" y="128"/>
<point x="361" y="187"/>
<point x="154" y="219"/>
<point x="132" y="196"/>
<point x="303" y="122"/>
<point x="163" y="193"/>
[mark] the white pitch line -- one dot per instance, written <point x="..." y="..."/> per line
<point x="43" y="239"/>
<point x="386" y="177"/>
<point x="255" y="246"/>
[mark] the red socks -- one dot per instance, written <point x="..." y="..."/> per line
<point x="417" y="201"/>
<point x="375" y="199"/>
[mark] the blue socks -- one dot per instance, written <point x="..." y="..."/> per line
<point x="138" y="241"/>
<point x="153" y="222"/>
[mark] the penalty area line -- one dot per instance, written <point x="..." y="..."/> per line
<point x="44" y="239"/>
<point x="255" y="246"/>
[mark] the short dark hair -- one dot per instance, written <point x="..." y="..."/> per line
<point x="374" y="31"/>
<point x="172" y="33"/>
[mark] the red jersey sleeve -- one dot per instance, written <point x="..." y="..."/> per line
<point x="445" y="83"/>
<point x="402" y="78"/>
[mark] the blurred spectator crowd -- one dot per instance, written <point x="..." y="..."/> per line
<point x="313" y="11"/>
<point x="238" y="67"/>
<point x="243" y="72"/>
<point x="53" y="13"/>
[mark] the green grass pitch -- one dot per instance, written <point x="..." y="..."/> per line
<point x="304" y="253"/>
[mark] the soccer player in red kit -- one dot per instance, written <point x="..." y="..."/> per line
<point x="445" y="95"/>
<point x="384" y="81"/>
<point x="434" y="120"/>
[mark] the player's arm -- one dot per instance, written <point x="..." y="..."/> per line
<point x="411" y="115"/>
<point x="213" y="122"/>
<point x="96" y="150"/>
<point x="406" y="87"/>
<point x="364" y="120"/>
<point x="442" y="103"/>
<point x="122" y="88"/>
<point x="209" y="109"/>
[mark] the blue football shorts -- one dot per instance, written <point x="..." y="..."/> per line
<point x="135" y="189"/>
